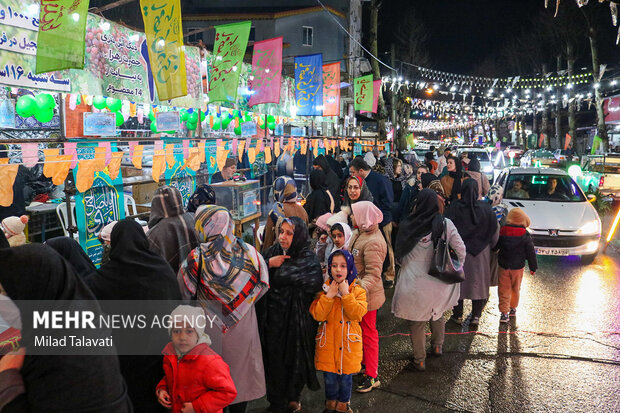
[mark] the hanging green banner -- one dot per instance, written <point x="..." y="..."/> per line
<point x="363" y="93"/>
<point x="231" y="41"/>
<point x="62" y="30"/>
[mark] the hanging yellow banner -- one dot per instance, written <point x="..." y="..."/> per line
<point x="164" y="36"/>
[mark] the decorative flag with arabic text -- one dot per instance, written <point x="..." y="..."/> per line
<point x="266" y="72"/>
<point x="164" y="36"/>
<point x="331" y="89"/>
<point x="231" y="41"/>
<point x="363" y="93"/>
<point x="309" y="85"/>
<point x="62" y="33"/>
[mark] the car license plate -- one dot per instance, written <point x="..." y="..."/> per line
<point x="552" y="251"/>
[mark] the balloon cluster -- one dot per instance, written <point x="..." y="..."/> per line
<point x="113" y="104"/>
<point x="41" y="107"/>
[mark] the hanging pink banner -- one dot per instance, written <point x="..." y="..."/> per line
<point x="140" y="116"/>
<point x="185" y="148"/>
<point x="108" y="151"/>
<point x="30" y="154"/>
<point x="70" y="150"/>
<point x="376" y="87"/>
<point x="234" y="145"/>
<point x="158" y="145"/>
<point x="132" y="145"/>
<point x="266" y="72"/>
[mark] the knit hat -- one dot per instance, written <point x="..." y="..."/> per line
<point x="14" y="225"/>
<point x="193" y="317"/>
<point x="321" y="221"/>
<point x="106" y="232"/>
<point x="518" y="217"/>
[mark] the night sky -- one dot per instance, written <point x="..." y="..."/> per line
<point x="463" y="32"/>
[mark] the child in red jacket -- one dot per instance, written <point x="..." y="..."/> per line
<point x="196" y="379"/>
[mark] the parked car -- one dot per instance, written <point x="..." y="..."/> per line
<point x="564" y="222"/>
<point x="600" y="172"/>
<point x="563" y="157"/>
<point x="537" y="158"/>
<point x="486" y="164"/>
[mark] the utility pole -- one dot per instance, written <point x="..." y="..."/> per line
<point x="394" y="97"/>
<point x="558" y="107"/>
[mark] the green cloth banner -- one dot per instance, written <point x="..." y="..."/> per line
<point x="363" y="93"/>
<point x="231" y="41"/>
<point x="596" y="143"/>
<point x="62" y="30"/>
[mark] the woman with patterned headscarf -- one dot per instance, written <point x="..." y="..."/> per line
<point x="203" y="195"/>
<point x="287" y="328"/>
<point x="285" y="194"/>
<point x="227" y="277"/>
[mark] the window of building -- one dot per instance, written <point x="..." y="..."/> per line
<point x="307" y="36"/>
<point x="194" y="38"/>
<point x="252" y="34"/>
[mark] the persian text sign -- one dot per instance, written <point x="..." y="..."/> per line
<point x="363" y="93"/>
<point x="62" y="27"/>
<point x="168" y="121"/>
<point x="266" y="72"/>
<point x="309" y="85"/>
<point x="99" y="124"/>
<point x="231" y="41"/>
<point x="162" y="23"/>
<point x="331" y="89"/>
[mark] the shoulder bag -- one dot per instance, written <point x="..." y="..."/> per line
<point x="445" y="265"/>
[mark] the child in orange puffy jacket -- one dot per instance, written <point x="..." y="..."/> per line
<point x="339" y="309"/>
<point x="196" y="379"/>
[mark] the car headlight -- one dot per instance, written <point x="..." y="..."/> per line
<point x="488" y="169"/>
<point x="590" y="227"/>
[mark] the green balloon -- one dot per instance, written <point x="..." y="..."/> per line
<point x="99" y="102"/>
<point x="191" y="125"/>
<point x="247" y="118"/>
<point x="225" y="122"/>
<point x="152" y="116"/>
<point x="217" y="124"/>
<point x="193" y="117"/>
<point x="26" y="106"/>
<point x="271" y="125"/>
<point x="114" y="104"/>
<point x="238" y="130"/>
<point x="44" y="116"/>
<point x="202" y="116"/>
<point x="271" y="119"/>
<point x="183" y="115"/>
<point x="236" y="113"/>
<point x="262" y="125"/>
<point x="153" y="127"/>
<point x="119" y="119"/>
<point x="45" y="101"/>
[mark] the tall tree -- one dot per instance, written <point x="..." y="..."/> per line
<point x="375" y="6"/>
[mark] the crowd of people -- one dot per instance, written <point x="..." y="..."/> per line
<point x="302" y="302"/>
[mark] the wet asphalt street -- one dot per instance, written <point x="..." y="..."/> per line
<point x="560" y="354"/>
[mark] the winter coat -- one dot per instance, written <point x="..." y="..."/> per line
<point x="447" y="182"/>
<point x="339" y="338"/>
<point x="286" y="326"/>
<point x="200" y="377"/>
<point x="483" y="183"/>
<point x="515" y="246"/>
<point x="382" y="193"/>
<point x="419" y="296"/>
<point x="369" y="249"/>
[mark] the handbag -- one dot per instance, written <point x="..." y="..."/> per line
<point x="445" y="266"/>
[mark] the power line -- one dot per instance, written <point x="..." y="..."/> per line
<point x="353" y="38"/>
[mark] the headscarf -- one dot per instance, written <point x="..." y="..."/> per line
<point x="370" y="159"/>
<point x="134" y="271"/>
<point x="474" y="164"/>
<point x="71" y="251"/>
<point x="285" y="189"/>
<point x="321" y="221"/>
<point x="424" y="219"/>
<point x="436" y="186"/>
<point x="389" y="168"/>
<point x="406" y="173"/>
<point x="36" y="272"/>
<point x="192" y="316"/>
<point x="366" y="214"/>
<point x="301" y="237"/>
<point x="232" y="273"/>
<point x="167" y="202"/>
<point x="171" y="233"/>
<point x="496" y="195"/>
<point x="318" y="202"/>
<point x="351" y="270"/>
<point x="203" y="195"/>
<point x="346" y="230"/>
<point x="474" y="219"/>
<point x="277" y="214"/>
<point x="427" y="178"/>
<point x="365" y="194"/>
<point x="335" y="166"/>
<point x="518" y="217"/>
<point x="457" y="175"/>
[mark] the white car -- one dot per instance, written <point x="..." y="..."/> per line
<point x="564" y="222"/>
<point x="486" y="163"/>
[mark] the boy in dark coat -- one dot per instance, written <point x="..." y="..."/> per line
<point x="515" y="246"/>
